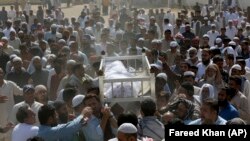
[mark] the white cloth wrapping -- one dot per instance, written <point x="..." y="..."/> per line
<point x="117" y="70"/>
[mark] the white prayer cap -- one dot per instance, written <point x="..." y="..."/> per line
<point x="89" y="30"/>
<point x="155" y="41"/>
<point x="213" y="47"/>
<point x="156" y="66"/>
<point x="58" y="35"/>
<point x="236" y="66"/>
<point x="61" y="41"/>
<point x="53" y="26"/>
<point x="141" y="39"/>
<point x="205" y="36"/>
<point x="218" y="40"/>
<point x="17" y="59"/>
<point x="71" y="42"/>
<point x="71" y="62"/>
<point x="232" y="43"/>
<point x="162" y="75"/>
<point x="230" y="21"/>
<point x="248" y="25"/>
<point x="189" y="73"/>
<point x="128" y="128"/>
<point x="4" y="38"/>
<point x="236" y="38"/>
<point x="173" y="44"/>
<point x="77" y="100"/>
<point x="13" y="56"/>
<point x="242" y="22"/>
<point x="213" y="25"/>
<point x="152" y="18"/>
<point x="205" y="18"/>
<point x="192" y="49"/>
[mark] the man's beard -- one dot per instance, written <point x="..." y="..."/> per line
<point x="222" y="103"/>
<point x="206" y="62"/>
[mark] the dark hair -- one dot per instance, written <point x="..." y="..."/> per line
<point x="166" y="20"/>
<point x="22" y="113"/>
<point x="94" y="90"/>
<point x="230" y="56"/>
<point x="127" y="118"/>
<point x="167" y="31"/>
<point x="217" y="58"/>
<point x="68" y="94"/>
<point x="89" y="96"/>
<point x="148" y="107"/>
<point x="76" y="67"/>
<point x="128" y="135"/>
<point x="188" y="87"/>
<point x="241" y="62"/>
<point x="236" y="79"/>
<point x="175" y="122"/>
<point x="213" y="104"/>
<point x="35" y="139"/>
<point x="194" y="67"/>
<point x="58" y="104"/>
<point x="186" y="63"/>
<point x="45" y="112"/>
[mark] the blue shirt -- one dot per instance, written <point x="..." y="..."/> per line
<point x="219" y="121"/>
<point x="229" y="112"/>
<point x="61" y="132"/>
<point x="93" y="131"/>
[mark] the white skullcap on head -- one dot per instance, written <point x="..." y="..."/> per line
<point x="236" y="66"/>
<point x="189" y="73"/>
<point x="242" y="22"/>
<point x="155" y="41"/>
<point x="61" y="41"/>
<point x="205" y="36"/>
<point x="4" y="38"/>
<point x="156" y="66"/>
<point x="218" y="40"/>
<point x="58" y="35"/>
<point x="128" y="128"/>
<point x="77" y="100"/>
<point x="89" y="30"/>
<point x="13" y="56"/>
<point x="232" y="43"/>
<point x="141" y="39"/>
<point x="213" y="47"/>
<point x="17" y="59"/>
<point x="213" y="25"/>
<point x="162" y="75"/>
<point x="236" y="38"/>
<point x="173" y="44"/>
<point x="53" y="26"/>
<point x="71" y="42"/>
<point x="71" y="62"/>
<point x="192" y="49"/>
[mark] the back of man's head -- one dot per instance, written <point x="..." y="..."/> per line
<point x="44" y="113"/>
<point x="148" y="107"/>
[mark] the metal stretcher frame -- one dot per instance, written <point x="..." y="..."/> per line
<point x="148" y="77"/>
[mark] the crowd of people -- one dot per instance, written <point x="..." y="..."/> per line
<point x="49" y="67"/>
